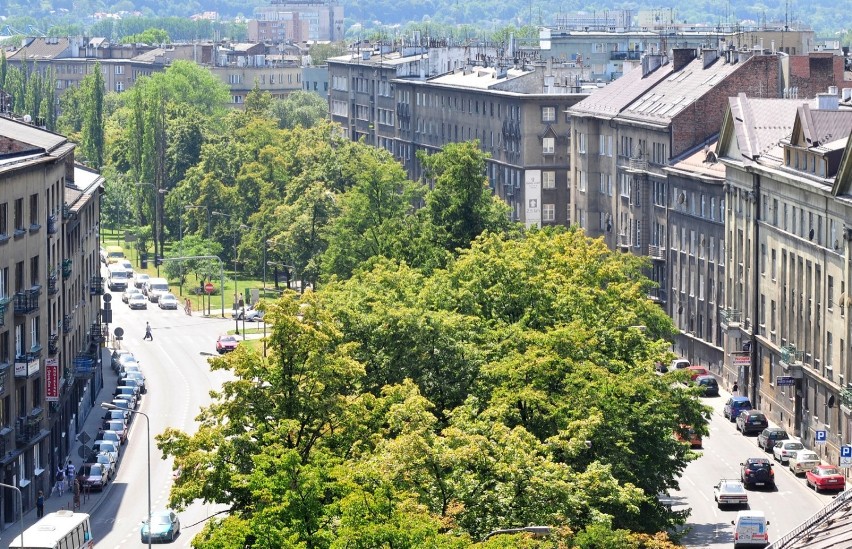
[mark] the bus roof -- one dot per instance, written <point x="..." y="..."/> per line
<point x="50" y="529"/>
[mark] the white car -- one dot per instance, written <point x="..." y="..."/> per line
<point x="730" y="492"/>
<point x="131" y="290"/>
<point x="139" y="279"/>
<point x="783" y="449"/>
<point x="137" y="301"/>
<point x="167" y="301"/>
<point x="107" y="447"/>
<point x="803" y="461"/>
<point x="128" y="266"/>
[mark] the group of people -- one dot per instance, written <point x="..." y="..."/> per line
<point x="65" y="478"/>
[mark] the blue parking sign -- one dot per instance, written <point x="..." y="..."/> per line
<point x="821" y="436"/>
<point x="846" y="451"/>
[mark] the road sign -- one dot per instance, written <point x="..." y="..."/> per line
<point x="846" y="457"/>
<point x="783" y="381"/>
<point x="820" y="437"/>
<point x="209" y="287"/>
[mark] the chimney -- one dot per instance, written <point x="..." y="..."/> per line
<point x="709" y="56"/>
<point x="828" y="101"/>
<point x="681" y="57"/>
<point x="650" y="63"/>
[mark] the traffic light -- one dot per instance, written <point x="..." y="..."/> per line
<point x="158" y="260"/>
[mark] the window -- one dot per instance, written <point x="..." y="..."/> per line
<point x="119" y="86"/>
<point x="602" y="145"/>
<point x="34" y="333"/>
<point x="119" y="69"/>
<point x="33" y="210"/>
<point x="548" y="213"/>
<point x="235" y="79"/>
<point x="548" y="180"/>
<point x="624" y="185"/>
<point x="773" y="265"/>
<point x="237" y="99"/>
<point x="34" y="271"/>
<point x="830" y="292"/>
<point x="548" y="145"/>
<point x="603" y="183"/>
<point x="581" y="143"/>
<point x="548" y="114"/>
<point x="581" y="181"/>
<point x="609" y="145"/>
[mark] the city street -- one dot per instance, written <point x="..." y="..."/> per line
<point x="179" y="381"/>
<point x="724" y="449"/>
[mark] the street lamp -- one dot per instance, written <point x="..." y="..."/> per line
<point x="20" y="506"/>
<point x="156" y="221"/>
<point x="236" y="320"/>
<point x="110" y="406"/>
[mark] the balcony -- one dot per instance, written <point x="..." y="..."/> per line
<point x="730" y="319"/>
<point x="52" y="286"/>
<point x="658" y="295"/>
<point x="625" y="55"/>
<point x="66" y="268"/>
<point x="791" y="360"/>
<point x="27" y="365"/>
<point x="638" y="164"/>
<point x="846" y="398"/>
<point x="66" y="324"/>
<point x="66" y="211"/>
<point x="28" y="427"/>
<point x="657" y="252"/>
<point x="96" y="285"/>
<point x="96" y="333"/>
<point x="53" y="344"/>
<point x="624" y="241"/>
<point x="52" y="224"/>
<point x="27" y="301"/>
<point x="4" y="302"/>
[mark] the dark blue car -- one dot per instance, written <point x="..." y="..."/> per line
<point x="735" y="405"/>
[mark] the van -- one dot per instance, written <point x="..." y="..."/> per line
<point x="154" y="288"/>
<point x="118" y="278"/>
<point x="114" y="253"/>
<point x="679" y="364"/>
<point x="734" y="406"/>
<point x="750" y="529"/>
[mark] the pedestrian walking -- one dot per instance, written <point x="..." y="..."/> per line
<point x="148" y="335"/>
<point x="60" y="481"/>
<point x="188" y="307"/>
<point x="40" y="504"/>
<point x="76" y="493"/>
<point x="735" y="388"/>
<point x="70" y="472"/>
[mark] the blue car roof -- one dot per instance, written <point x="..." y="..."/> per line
<point x="740" y="399"/>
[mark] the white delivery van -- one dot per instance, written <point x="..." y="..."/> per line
<point x="750" y="530"/>
<point x="155" y="287"/>
<point x="118" y="278"/>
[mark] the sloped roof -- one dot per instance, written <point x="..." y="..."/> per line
<point x="41" y="48"/>
<point x="678" y="91"/>
<point x="610" y="100"/>
<point x="815" y="128"/>
<point x="759" y="125"/>
<point x="31" y="135"/>
<point x="700" y="162"/>
<point x="828" y="528"/>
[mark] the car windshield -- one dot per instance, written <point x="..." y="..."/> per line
<point x="162" y="519"/>
<point x="793" y="446"/>
<point x="828" y="471"/>
<point x="229" y="339"/>
<point x="759" y="464"/>
<point x="95" y="470"/>
<point x="808" y="456"/>
<point x="107" y="446"/>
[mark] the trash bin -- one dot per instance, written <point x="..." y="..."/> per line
<point x="143" y="261"/>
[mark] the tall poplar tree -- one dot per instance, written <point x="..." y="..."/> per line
<point x="93" y="119"/>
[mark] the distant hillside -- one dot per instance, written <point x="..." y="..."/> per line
<point x="827" y="18"/>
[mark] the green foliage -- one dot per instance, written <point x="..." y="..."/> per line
<point x="299" y="108"/>
<point x="92" y="131"/>
<point x="322" y="51"/>
<point x="151" y="36"/>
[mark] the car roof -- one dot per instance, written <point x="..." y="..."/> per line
<point x="757" y="460"/>
<point x="776" y="429"/>
<point x="740" y="399"/>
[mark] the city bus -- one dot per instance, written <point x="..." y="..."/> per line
<point x="60" y="530"/>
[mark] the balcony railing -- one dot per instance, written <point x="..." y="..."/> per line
<point x="52" y="286"/>
<point x="28" y="427"/>
<point x="66" y="211"/>
<point x="638" y="164"/>
<point x="625" y="55"/>
<point x="66" y="324"/>
<point x="27" y="301"/>
<point x="66" y="268"/>
<point x="846" y="397"/>
<point x="658" y="295"/>
<point x="96" y="333"/>
<point x="790" y="356"/>
<point x="52" y="224"/>
<point x="53" y="344"/>
<point x="96" y="285"/>
<point x="730" y="316"/>
<point x="623" y="241"/>
<point x="657" y="252"/>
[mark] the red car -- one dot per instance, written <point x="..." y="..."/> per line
<point x="826" y="477"/>
<point x="226" y="344"/>
<point x="696" y="371"/>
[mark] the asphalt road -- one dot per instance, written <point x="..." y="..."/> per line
<point x="179" y="381"/>
<point x="709" y="527"/>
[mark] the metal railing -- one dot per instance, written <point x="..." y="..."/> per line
<point x="66" y="268"/>
<point x="657" y="252"/>
<point x="27" y="301"/>
<point x="731" y="316"/>
<point x="841" y="500"/>
<point x="52" y="224"/>
<point x="790" y="355"/>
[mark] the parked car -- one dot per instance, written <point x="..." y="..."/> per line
<point x="730" y="492"/>
<point x="110" y="436"/>
<point x="750" y="529"/>
<point x="124" y="361"/>
<point x="165" y="526"/>
<point x="735" y="405"/>
<point x="696" y="371"/>
<point x="116" y="355"/>
<point x="137" y="302"/>
<point x="803" y="461"/>
<point x="251" y="314"/>
<point x="769" y="436"/>
<point x="93" y="476"/>
<point x="132" y="402"/>
<point x="167" y="301"/>
<point x="106" y="446"/>
<point x="131" y="290"/>
<point x="783" y="449"/>
<point x="124" y="369"/>
<point x="139" y="280"/>
<point x="757" y="472"/>
<point x="679" y="364"/>
<point x="109" y="465"/>
<point x="687" y="434"/>
<point x="122" y="415"/>
<point x="825" y="477"/>
<point x="226" y="344"/>
<point x="708" y="384"/>
<point x="751" y="421"/>
<point x="134" y="379"/>
<point x="117" y="426"/>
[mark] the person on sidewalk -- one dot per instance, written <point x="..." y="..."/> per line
<point x="60" y="481"/>
<point x="735" y="388"/>
<point x="148" y="335"/>
<point x="188" y="307"/>
<point x="70" y="472"/>
<point x="40" y="504"/>
<point x="76" y="494"/>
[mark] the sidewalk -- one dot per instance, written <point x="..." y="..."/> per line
<point x="88" y="502"/>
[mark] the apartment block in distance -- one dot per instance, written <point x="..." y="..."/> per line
<point x="49" y="306"/>
<point x="422" y="98"/>
<point x="297" y="21"/>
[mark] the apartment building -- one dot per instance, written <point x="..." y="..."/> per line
<point x="785" y="316"/>
<point x="419" y="99"/>
<point x="297" y="21"/>
<point x="49" y="306"/>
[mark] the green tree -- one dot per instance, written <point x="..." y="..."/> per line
<point x="4" y="68"/>
<point x="93" y="118"/>
<point x="300" y="108"/>
<point x="461" y="205"/>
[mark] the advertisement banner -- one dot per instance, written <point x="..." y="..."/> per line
<point x="741" y="359"/>
<point x="51" y="380"/>
<point x="532" y="198"/>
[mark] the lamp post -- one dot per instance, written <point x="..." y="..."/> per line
<point x="20" y="507"/>
<point x="110" y="406"/>
<point x="236" y="320"/>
